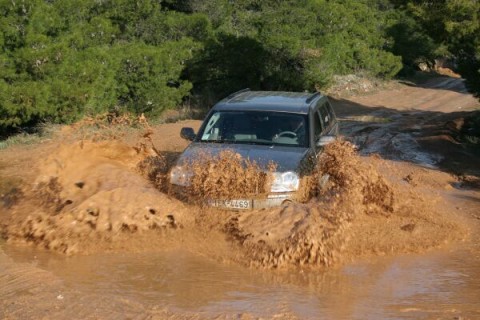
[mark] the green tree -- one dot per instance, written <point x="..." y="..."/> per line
<point x="452" y="29"/>
<point x="61" y="60"/>
<point x="148" y="76"/>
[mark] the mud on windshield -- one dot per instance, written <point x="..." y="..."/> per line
<point x="256" y="127"/>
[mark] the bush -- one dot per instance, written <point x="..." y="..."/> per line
<point x="61" y="60"/>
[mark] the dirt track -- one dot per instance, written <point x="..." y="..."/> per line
<point x="416" y="152"/>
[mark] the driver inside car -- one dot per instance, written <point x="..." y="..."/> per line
<point x="293" y="130"/>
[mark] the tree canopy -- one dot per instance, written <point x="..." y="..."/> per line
<point x="61" y="59"/>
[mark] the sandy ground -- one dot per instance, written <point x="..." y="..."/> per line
<point x="410" y="187"/>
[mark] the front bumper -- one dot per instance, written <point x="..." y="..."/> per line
<point x="272" y="200"/>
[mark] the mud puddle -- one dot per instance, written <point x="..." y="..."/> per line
<point x="420" y="125"/>
<point x="391" y="135"/>
<point x="103" y="200"/>
<point x="443" y="284"/>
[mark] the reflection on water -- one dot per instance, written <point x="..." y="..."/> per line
<point x="442" y="283"/>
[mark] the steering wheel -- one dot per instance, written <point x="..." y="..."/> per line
<point x="288" y="134"/>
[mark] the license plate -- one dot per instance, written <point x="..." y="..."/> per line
<point x="231" y="204"/>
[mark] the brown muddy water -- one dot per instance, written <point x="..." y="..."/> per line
<point x="104" y="243"/>
<point x="442" y="284"/>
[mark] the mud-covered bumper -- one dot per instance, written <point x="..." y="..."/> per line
<point x="272" y="200"/>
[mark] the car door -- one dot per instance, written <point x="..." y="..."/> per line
<point x="324" y="123"/>
<point x="328" y="119"/>
<point x="333" y="123"/>
<point x="318" y="125"/>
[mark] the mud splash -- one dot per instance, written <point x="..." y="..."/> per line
<point x="359" y="213"/>
<point x="228" y="176"/>
<point x="107" y="195"/>
<point x="87" y="193"/>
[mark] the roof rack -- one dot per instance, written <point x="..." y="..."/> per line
<point x="238" y="92"/>
<point x="312" y="97"/>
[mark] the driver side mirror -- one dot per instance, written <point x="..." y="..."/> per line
<point x="324" y="140"/>
<point x="187" y="134"/>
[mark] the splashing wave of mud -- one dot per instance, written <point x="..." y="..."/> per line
<point x="228" y="176"/>
<point x="88" y="191"/>
<point x="96" y="192"/>
<point x="359" y="213"/>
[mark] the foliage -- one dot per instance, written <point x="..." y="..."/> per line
<point x="294" y="45"/>
<point x="62" y="60"/>
<point x="439" y="29"/>
<point x="59" y="61"/>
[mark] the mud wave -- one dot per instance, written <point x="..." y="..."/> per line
<point x="107" y="195"/>
<point x="90" y="192"/>
<point x="228" y="176"/>
<point x="314" y="233"/>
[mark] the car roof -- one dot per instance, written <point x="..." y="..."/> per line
<point x="280" y="101"/>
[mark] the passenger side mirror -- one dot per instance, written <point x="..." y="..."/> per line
<point x="324" y="140"/>
<point x="187" y="134"/>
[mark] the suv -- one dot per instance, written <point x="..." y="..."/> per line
<point x="287" y="128"/>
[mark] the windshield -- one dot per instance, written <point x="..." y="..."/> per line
<point x="256" y="127"/>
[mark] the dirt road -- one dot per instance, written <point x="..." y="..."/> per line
<point x="400" y="240"/>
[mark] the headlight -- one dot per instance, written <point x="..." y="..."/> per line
<point x="285" y="182"/>
<point x="180" y="176"/>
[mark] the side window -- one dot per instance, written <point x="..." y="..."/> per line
<point x="326" y="118"/>
<point x="330" y="111"/>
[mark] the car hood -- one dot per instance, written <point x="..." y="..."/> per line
<point x="286" y="158"/>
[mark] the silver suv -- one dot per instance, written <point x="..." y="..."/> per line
<point x="287" y="128"/>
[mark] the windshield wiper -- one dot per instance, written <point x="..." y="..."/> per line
<point x="217" y="141"/>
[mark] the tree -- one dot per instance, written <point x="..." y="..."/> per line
<point x="60" y="61"/>
<point x="452" y="29"/>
